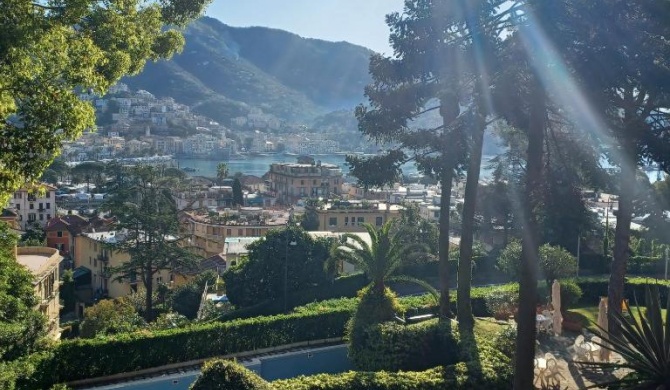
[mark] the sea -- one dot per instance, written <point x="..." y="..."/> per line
<point x="258" y="165"/>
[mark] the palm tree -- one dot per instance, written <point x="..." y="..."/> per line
<point x="380" y="258"/>
<point x="221" y="172"/>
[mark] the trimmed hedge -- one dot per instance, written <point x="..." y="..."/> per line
<point x="344" y="286"/>
<point x="392" y="347"/>
<point x="594" y="288"/>
<point x="222" y="374"/>
<point x="492" y="371"/>
<point x="90" y="358"/>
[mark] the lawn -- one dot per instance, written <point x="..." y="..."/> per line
<point x="588" y="315"/>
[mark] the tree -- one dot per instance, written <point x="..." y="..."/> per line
<point x="67" y="291"/>
<point x="21" y="327"/>
<point x="238" y="196"/>
<point x="630" y="95"/>
<point x="221" y="172"/>
<point x="288" y="258"/>
<point x="380" y="258"/>
<point x="52" y="51"/>
<point x="88" y="171"/>
<point x="185" y="299"/>
<point x="110" y="317"/>
<point x="555" y="262"/>
<point x="146" y="213"/>
<point x="420" y="80"/>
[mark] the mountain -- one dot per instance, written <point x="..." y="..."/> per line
<point x="225" y="72"/>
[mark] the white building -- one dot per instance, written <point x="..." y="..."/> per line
<point x="33" y="206"/>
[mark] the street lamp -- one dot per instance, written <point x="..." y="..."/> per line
<point x="292" y="243"/>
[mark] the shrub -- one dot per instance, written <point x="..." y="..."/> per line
<point x="502" y="303"/>
<point x="222" y="374"/>
<point x="505" y="340"/>
<point x="491" y="371"/>
<point x="392" y="347"/>
<point x="594" y="288"/>
<point x="374" y="307"/>
<point x="135" y="351"/>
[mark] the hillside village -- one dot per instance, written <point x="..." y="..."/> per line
<point x="137" y="124"/>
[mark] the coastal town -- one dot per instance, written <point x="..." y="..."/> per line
<point x="475" y="195"/>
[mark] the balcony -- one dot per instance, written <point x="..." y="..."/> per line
<point x="103" y="258"/>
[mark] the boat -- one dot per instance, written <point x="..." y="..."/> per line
<point x="188" y="169"/>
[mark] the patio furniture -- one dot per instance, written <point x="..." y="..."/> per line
<point x="552" y="370"/>
<point x="582" y="349"/>
<point x="540" y="369"/>
<point x="543" y="323"/>
<point x="594" y="347"/>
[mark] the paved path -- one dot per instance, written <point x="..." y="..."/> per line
<point x="572" y="374"/>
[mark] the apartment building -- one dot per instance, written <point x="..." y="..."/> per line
<point x="44" y="264"/>
<point x="34" y="206"/>
<point x="349" y="216"/>
<point x="290" y="182"/>
<point x="209" y="232"/>
<point x="94" y="260"/>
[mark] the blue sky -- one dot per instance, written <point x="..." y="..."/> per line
<point x="356" y="21"/>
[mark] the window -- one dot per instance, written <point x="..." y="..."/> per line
<point x="32" y="217"/>
<point x="313" y="182"/>
<point x="32" y="206"/>
<point x="361" y="220"/>
<point x="332" y="221"/>
<point x="48" y="216"/>
<point x="346" y="221"/>
<point x="228" y="232"/>
<point x="18" y="206"/>
<point x="41" y="217"/>
<point x="240" y="232"/>
<point x="302" y="182"/>
<point x="48" y="205"/>
<point x="379" y="221"/>
<point x="41" y="207"/>
<point x="59" y="233"/>
<point x="32" y="197"/>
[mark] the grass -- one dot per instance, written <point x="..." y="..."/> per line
<point x="487" y="327"/>
<point x="588" y="315"/>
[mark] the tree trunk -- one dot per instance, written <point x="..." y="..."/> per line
<point x="526" y="333"/>
<point x="463" y="304"/>
<point x="446" y="179"/>
<point x="149" y="287"/>
<point x="621" y="240"/>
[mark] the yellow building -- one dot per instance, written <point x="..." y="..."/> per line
<point x="290" y="182"/>
<point x="93" y="259"/>
<point x="209" y="232"/>
<point x="349" y="216"/>
<point x="43" y="263"/>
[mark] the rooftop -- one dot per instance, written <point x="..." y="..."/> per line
<point x="37" y="259"/>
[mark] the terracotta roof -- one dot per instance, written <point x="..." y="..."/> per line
<point x="74" y="223"/>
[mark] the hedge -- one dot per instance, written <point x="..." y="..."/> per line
<point x="89" y="358"/>
<point x="393" y="347"/>
<point x="344" y="286"/>
<point x="492" y="371"/>
<point x="594" y="288"/>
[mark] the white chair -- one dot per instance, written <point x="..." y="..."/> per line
<point x="553" y="370"/>
<point x="582" y="349"/>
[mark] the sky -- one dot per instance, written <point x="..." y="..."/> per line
<point x="356" y="21"/>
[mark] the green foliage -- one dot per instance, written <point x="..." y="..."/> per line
<point x="221" y="172"/>
<point x="222" y="374"/>
<point x="238" y="196"/>
<point x="391" y="347"/>
<point x="109" y="317"/>
<point x="386" y="252"/>
<point x="502" y="303"/>
<point x="261" y="276"/>
<point x="52" y="52"/>
<point x="491" y="372"/>
<point x="644" y="344"/>
<point x="67" y="291"/>
<point x="505" y="340"/>
<point x="134" y="351"/>
<point x="185" y="298"/>
<point x="374" y="307"/>
<point x="21" y="327"/>
<point x="146" y="212"/>
<point x="571" y="293"/>
<point x="555" y="262"/>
